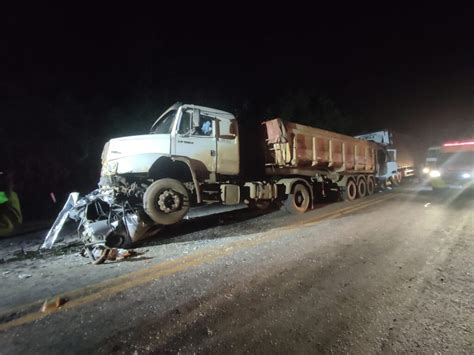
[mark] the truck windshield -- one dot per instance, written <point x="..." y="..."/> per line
<point x="165" y="124"/>
<point x="458" y="158"/>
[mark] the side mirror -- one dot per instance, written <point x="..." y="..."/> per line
<point x="196" y="116"/>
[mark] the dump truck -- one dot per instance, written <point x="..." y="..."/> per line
<point x="196" y="155"/>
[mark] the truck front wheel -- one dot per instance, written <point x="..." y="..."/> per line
<point x="166" y="201"/>
<point x="299" y="200"/>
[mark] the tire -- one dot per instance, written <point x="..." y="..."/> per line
<point x="299" y="200"/>
<point x="350" y="193"/>
<point x="166" y="201"/>
<point x="361" y="187"/>
<point x="370" y="185"/>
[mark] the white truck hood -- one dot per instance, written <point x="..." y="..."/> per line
<point x="134" y="154"/>
<point x="134" y="145"/>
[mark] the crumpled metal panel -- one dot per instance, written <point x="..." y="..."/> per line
<point x="58" y="224"/>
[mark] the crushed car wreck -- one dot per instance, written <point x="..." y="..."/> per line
<point x="104" y="222"/>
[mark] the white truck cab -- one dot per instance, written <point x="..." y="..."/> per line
<point x="384" y="138"/>
<point x="206" y="137"/>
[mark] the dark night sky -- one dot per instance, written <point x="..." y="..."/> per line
<point x="411" y="66"/>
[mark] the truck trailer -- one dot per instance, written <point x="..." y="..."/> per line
<point x="196" y="155"/>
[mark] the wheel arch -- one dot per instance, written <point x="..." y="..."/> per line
<point x="179" y="168"/>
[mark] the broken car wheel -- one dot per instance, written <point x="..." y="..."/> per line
<point x="166" y="201"/>
<point x="299" y="200"/>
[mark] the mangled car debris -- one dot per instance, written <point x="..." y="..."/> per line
<point x="196" y="156"/>
<point x="104" y="222"/>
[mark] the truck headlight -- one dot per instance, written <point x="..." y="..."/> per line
<point x="109" y="168"/>
<point x="435" y="173"/>
<point x="426" y="170"/>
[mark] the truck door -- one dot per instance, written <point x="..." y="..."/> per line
<point x="392" y="165"/>
<point x="195" y="138"/>
<point x="386" y="168"/>
<point x="227" y="147"/>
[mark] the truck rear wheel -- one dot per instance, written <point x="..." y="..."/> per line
<point x="350" y="193"/>
<point x="299" y="200"/>
<point x="361" y="187"/>
<point x="370" y="185"/>
<point x="166" y="201"/>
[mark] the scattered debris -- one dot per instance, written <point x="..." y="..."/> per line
<point x="24" y="276"/>
<point x="121" y="254"/>
<point x="6" y="272"/>
<point x="52" y="305"/>
<point x="124" y="254"/>
<point x="100" y="255"/>
<point x="427" y="204"/>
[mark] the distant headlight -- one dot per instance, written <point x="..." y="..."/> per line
<point x="466" y="176"/>
<point x="426" y="170"/>
<point x="435" y="173"/>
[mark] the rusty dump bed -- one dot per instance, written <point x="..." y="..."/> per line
<point x="299" y="147"/>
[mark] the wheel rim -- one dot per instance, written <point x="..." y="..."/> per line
<point x="168" y="201"/>
<point x="301" y="198"/>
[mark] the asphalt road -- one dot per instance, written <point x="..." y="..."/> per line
<point x="388" y="273"/>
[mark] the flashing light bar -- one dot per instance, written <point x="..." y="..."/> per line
<point x="456" y="144"/>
